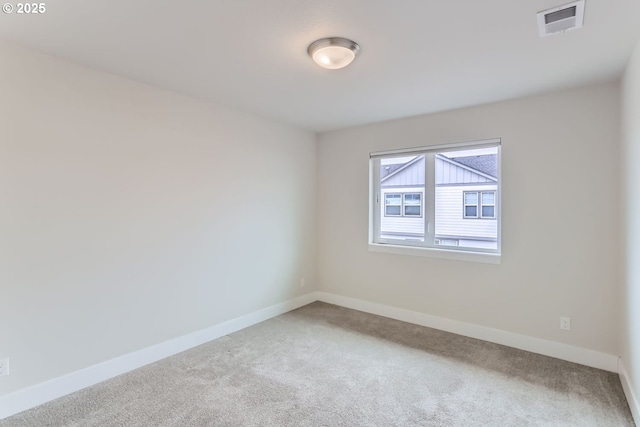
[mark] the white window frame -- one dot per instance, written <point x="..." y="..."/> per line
<point x="428" y="247"/>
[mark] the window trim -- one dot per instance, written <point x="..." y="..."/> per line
<point x="428" y="247"/>
<point x="440" y="252"/>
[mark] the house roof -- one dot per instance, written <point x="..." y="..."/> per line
<point x="386" y="170"/>
<point x="486" y="163"/>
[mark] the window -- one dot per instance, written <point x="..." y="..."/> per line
<point x="403" y="204"/>
<point x="417" y="195"/>
<point x="413" y="204"/>
<point x="486" y="200"/>
<point x="393" y="205"/>
<point x="471" y="204"/>
<point x="488" y="204"/>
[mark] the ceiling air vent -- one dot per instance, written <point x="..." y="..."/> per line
<point x="561" y="19"/>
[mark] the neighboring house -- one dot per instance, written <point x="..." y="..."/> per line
<point x="465" y="200"/>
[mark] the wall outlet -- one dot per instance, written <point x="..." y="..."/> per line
<point x="565" y="323"/>
<point x="4" y="366"/>
<point x="302" y="282"/>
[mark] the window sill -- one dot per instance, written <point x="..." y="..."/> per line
<point x="487" y="258"/>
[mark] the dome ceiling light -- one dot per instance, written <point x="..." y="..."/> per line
<point x="333" y="52"/>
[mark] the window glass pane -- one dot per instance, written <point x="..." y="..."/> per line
<point x="393" y="199"/>
<point x="470" y="198"/>
<point x="393" y="210"/>
<point x="402" y="177"/>
<point x="487" y="211"/>
<point x="464" y="178"/>
<point x="412" y="199"/>
<point x="412" y="210"/>
<point x="488" y="198"/>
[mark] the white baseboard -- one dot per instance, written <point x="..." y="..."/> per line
<point x="38" y="394"/>
<point x="632" y="400"/>
<point x="595" y="359"/>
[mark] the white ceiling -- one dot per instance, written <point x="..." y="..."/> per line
<point x="417" y="56"/>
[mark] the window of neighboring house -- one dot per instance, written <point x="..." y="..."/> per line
<point x="403" y="204"/>
<point x="393" y="205"/>
<point x="407" y="204"/>
<point x="415" y="206"/>
<point x="470" y="204"/>
<point x="479" y="204"/>
<point x="412" y="204"/>
<point x="488" y="204"/>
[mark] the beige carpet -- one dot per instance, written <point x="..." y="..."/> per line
<point x="323" y="365"/>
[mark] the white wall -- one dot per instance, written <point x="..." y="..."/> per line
<point x="630" y="295"/>
<point x="559" y="229"/>
<point x="130" y="215"/>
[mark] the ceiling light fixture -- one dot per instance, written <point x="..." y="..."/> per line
<point x="333" y="52"/>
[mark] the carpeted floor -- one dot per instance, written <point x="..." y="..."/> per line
<point x="323" y="365"/>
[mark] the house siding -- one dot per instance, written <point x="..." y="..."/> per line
<point x="452" y="180"/>
<point x="449" y="213"/>
<point x="412" y="175"/>
<point x="400" y="224"/>
<point x="449" y="173"/>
